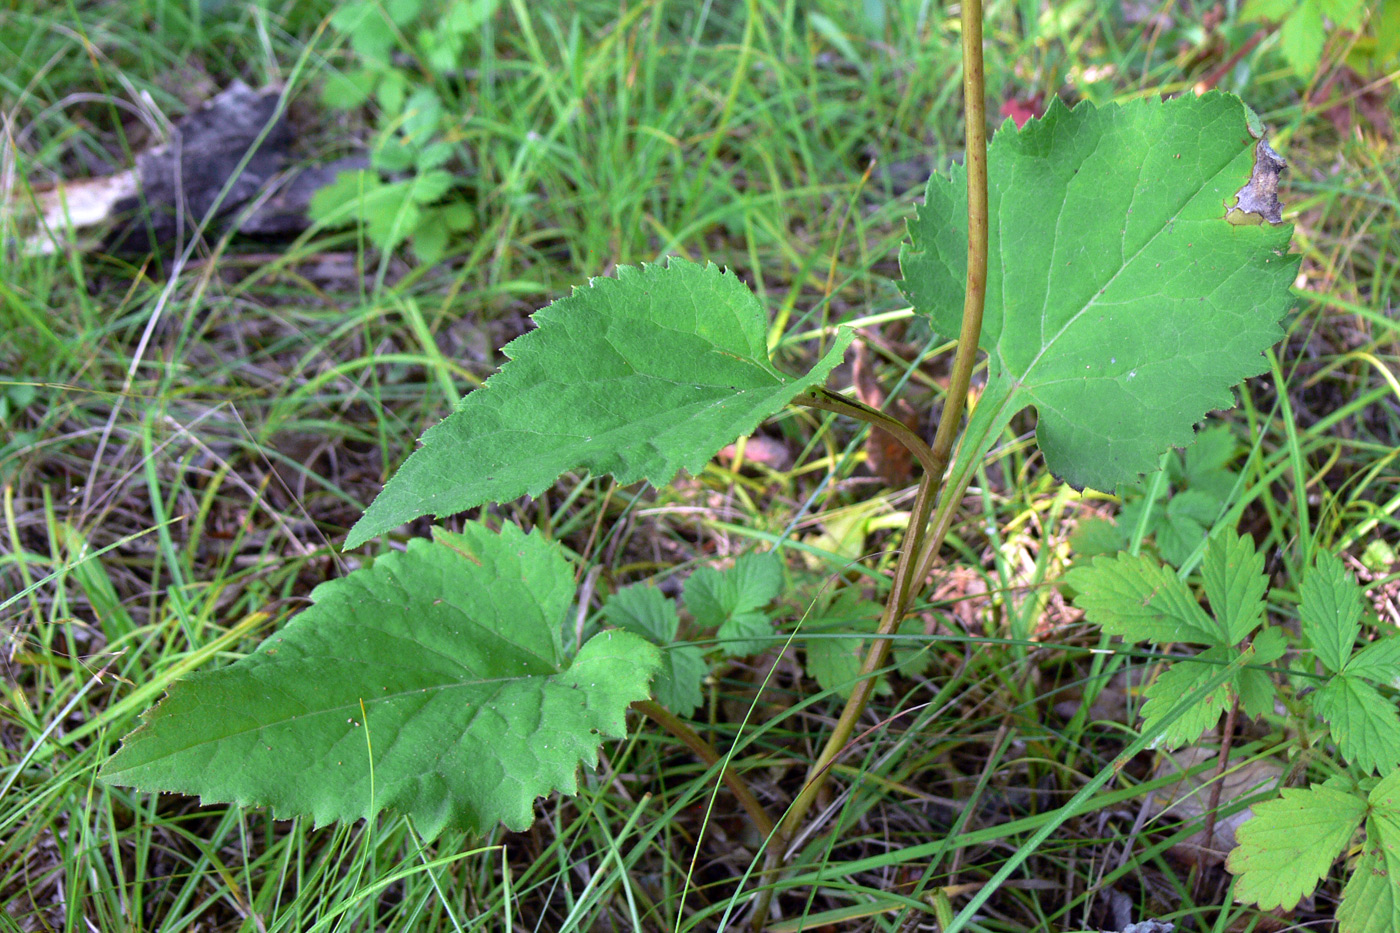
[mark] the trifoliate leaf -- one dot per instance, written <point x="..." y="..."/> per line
<point x="350" y="197"/>
<point x="1096" y="536"/>
<point x="465" y="17"/>
<point x="1120" y="301"/>
<point x="1257" y="692"/>
<point x="1182" y="524"/>
<point x="745" y="633"/>
<point x="1138" y="599"/>
<point x="1206" y="463"/>
<point x="731" y="601"/>
<point x="834" y="662"/>
<point x="401" y="12"/>
<point x="429" y="240"/>
<point x="432" y="683"/>
<point x="1255" y="10"/>
<point x="1269" y="645"/>
<point x="369" y="35"/>
<point x="1330" y="610"/>
<point x="645" y="611"/>
<point x="1289" y="845"/>
<point x="1364" y="723"/>
<point x="1302" y="37"/>
<point x="639" y="376"/>
<point x="345" y="90"/>
<point x="680" y="680"/>
<point x="1235" y="584"/>
<point x="1176" y="683"/>
<point x="1378" y="662"/>
<point x="1371" y="900"/>
<point x="430" y="185"/>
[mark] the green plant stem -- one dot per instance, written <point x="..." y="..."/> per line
<point x="827" y="400"/>
<point x="910" y="571"/>
<point x="708" y="754"/>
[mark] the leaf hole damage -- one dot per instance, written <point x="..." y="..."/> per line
<point x="1258" y="201"/>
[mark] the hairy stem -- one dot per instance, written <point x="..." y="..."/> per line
<point x="708" y="754"/>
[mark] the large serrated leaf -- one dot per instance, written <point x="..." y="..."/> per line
<point x="1120" y="301"/>
<point x="639" y="376"/>
<point x="443" y="663"/>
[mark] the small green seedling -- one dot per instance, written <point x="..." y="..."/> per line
<point x="1292" y="841"/>
<point x="423" y="206"/>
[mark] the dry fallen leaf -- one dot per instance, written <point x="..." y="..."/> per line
<point x="1189" y="797"/>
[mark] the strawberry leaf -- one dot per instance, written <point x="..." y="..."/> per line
<point x="1289" y="845"/>
<point x="1378" y="662"/>
<point x="1364" y="723"/>
<point x="1135" y="597"/>
<point x="1370" y="902"/>
<point x="1183" y="677"/>
<point x="732" y="600"/>
<point x="1235" y="584"/>
<point x="645" y="611"/>
<point x="1330" y="610"/>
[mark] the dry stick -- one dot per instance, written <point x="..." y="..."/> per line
<point x="707" y="753"/>
<point x="1209" y="82"/>
<point x="907" y="582"/>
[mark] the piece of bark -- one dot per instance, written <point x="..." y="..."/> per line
<point x="180" y="183"/>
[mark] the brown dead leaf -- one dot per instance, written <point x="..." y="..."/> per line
<point x="888" y="458"/>
<point x="1258" y="201"/>
<point x="1188" y="798"/>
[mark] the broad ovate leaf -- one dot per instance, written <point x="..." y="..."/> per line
<point x="639" y="376"/>
<point x="432" y="683"/>
<point x="1120" y="301"/>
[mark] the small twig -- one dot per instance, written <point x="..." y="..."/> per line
<point x="1226" y="738"/>
<point x="1215" y="77"/>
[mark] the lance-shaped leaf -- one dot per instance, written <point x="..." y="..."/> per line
<point x="1121" y="302"/>
<point x="639" y="376"/>
<point x="433" y="683"/>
